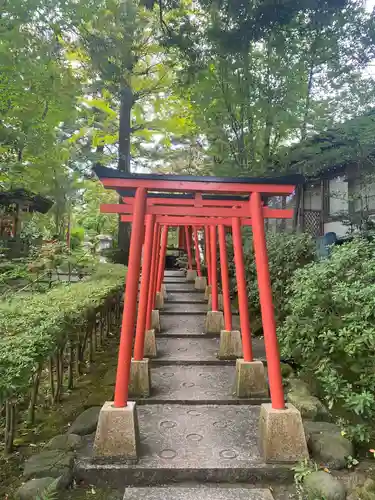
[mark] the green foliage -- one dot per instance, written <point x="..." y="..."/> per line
<point x="254" y="91"/>
<point x="87" y="214"/>
<point x="50" y="493"/>
<point x="286" y="253"/>
<point x="329" y="331"/>
<point x="34" y="326"/>
<point x="351" y="142"/>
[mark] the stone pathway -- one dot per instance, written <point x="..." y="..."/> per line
<point x="194" y="430"/>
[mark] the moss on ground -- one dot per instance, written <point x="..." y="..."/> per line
<point x="91" y="389"/>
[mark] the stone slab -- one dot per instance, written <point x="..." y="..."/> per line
<point x="210" y="443"/>
<point x="181" y="287"/>
<point x="173" y="272"/>
<point x="187" y="350"/>
<point x="175" y="279"/>
<point x="196" y="350"/>
<point x="186" y="297"/>
<point x="192" y="384"/>
<point x="192" y="308"/>
<point x="229" y="492"/>
<point x="183" y="324"/>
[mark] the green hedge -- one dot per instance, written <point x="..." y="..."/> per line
<point x="33" y="326"/>
<point x="48" y="337"/>
<point x="286" y="252"/>
<point x="330" y="332"/>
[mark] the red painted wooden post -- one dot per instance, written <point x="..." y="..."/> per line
<point x="188" y="248"/>
<point x="207" y="245"/>
<point x="163" y="252"/>
<point x="265" y="295"/>
<point x="145" y="285"/>
<point x="214" y="292"/>
<point x="225" y="279"/>
<point x="197" y="254"/>
<point x="181" y="237"/>
<point x="152" y="287"/>
<point x="130" y="301"/>
<point x="241" y="290"/>
<point x="155" y="283"/>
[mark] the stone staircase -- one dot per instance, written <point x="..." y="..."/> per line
<point x="198" y="440"/>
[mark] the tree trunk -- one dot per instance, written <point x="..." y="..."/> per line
<point x="126" y="105"/>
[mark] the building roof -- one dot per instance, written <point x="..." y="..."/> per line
<point x="35" y="202"/>
<point x="330" y="152"/>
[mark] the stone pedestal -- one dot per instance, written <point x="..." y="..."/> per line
<point x="159" y="301"/>
<point x="200" y="283"/>
<point x="150" y="350"/>
<point x="230" y="345"/>
<point x="220" y="302"/>
<point x="281" y="434"/>
<point x="164" y="291"/>
<point x="140" y="380"/>
<point x="191" y="275"/>
<point x="155" y="320"/>
<point x="208" y="292"/>
<point x="214" y="322"/>
<point x="250" y="379"/>
<point x="117" y="433"/>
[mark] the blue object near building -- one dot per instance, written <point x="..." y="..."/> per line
<point x="324" y="245"/>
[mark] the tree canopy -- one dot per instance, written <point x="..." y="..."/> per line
<point x="209" y="87"/>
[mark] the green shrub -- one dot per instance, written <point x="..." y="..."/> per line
<point x="286" y="252"/>
<point x="330" y="331"/>
<point x="33" y="327"/>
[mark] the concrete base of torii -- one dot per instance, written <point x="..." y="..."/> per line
<point x="281" y="434"/>
<point x="117" y="433"/>
<point x="214" y="322"/>
<point x="200" y="283"/>
<point x="191" y="275"/>
<point x="230" y="345"/>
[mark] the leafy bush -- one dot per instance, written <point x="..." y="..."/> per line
<point x="53" y="333"/>
<point x="33" y="327"/>
<point x="330" y="332"/>
<point x="286" y="252"/>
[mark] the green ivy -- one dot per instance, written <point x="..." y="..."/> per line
<point x="330" y="331"/>
<point x="33" y="327"/>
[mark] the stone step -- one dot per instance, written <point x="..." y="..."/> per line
<point x="227" y="492"/>
<point x="192" y="384"/>
<point x="180" y="443"/>
<point x="182" y="287"/>
<point x="188" y="308"/>
<point x="174" y="279"/>
<point x="193" y="351"/>
<point x="188" y="324"/>
<point x="174" y="272"/>
<point x="184" y="324"/>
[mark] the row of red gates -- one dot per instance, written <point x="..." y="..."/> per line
<point x="206" y="207"/>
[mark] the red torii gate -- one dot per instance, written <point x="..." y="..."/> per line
<point x="151" y="208"/>
<point x="234" y="210"/>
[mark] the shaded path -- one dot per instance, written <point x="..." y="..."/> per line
<point x="193" y="428"/>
